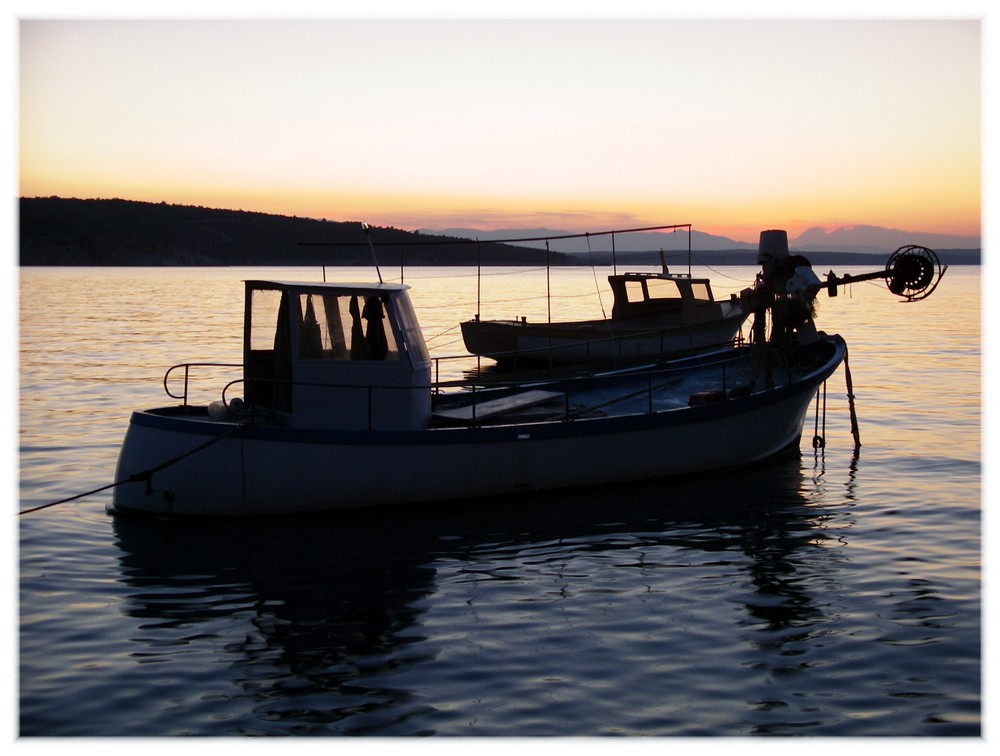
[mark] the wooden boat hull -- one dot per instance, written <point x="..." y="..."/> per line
<point x="233" y="470"/>
<point x="509" y="341"/>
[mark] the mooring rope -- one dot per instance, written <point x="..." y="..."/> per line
<point x="139" y="477"/>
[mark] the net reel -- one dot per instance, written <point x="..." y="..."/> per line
<point x="911" y="272"/>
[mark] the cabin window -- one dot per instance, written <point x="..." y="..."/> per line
<point x="412" y="335"/>
<point x="662" y="288"/>
<point x="634" y="291"/>
<point x="345" y="327"/>
<point x="700" y="291"/>
<point x="264" y="310"/>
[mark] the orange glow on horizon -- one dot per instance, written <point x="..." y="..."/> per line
<point x="413" y="213"/>
<point x="567" y="134"/>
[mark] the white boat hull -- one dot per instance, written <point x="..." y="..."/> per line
<point x="251" y="471"/>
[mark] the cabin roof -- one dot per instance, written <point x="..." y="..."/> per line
<point x="637" y="275"/>
<point x="328" y="286"/>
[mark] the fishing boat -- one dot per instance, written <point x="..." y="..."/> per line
<point x="655" y="314"/>
<point x="339" y="411"/>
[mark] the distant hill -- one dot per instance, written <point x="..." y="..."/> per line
<point x="116" y="232"/>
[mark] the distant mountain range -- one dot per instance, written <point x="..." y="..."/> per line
<point x="855" y="239"/>
<point x="117" y="232"/>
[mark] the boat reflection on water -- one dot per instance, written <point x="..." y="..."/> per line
<point x="324" y="604"/>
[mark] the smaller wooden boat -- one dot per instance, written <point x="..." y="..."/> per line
<point x="655" y="315"/>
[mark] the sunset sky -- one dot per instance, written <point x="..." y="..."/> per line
<point x="732" y="126"/>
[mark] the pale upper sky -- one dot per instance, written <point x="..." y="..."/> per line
<point x="733" y="126"/>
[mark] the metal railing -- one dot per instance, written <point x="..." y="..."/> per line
<point x="186" y="367"/>
<point x="646" y="382"/>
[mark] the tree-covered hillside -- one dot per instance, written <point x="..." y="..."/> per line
<point x="56" y="231"/>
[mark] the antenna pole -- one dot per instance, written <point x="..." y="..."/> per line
<point x="368" y="236"/>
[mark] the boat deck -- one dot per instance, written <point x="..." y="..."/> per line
<point x="561" y="396"/>
<point x="635" y="391"/>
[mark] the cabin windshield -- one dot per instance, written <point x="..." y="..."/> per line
<point x="665" y="290"/>
<point x="662" y="288"/>
<point x="338" y="326"/>
<point x="413" y="337"/>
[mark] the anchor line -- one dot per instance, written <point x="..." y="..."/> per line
<point x="850" y="403"/>
<point x="139" y="477"/>
<point x="819" y="439"/>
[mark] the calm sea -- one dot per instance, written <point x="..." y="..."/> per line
<point x="828" y="594"/>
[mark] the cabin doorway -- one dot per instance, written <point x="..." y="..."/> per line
<point x="267" y="350"/>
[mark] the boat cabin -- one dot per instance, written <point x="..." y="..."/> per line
<point x="335" y="356"/>
<point x="641" y="295"/>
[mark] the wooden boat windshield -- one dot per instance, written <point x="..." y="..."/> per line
<point x="664" y="289"/>
<point x="656" y="288"/>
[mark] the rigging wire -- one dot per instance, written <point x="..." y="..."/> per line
<point x="451" y="240"/>
<point x="597" y="285"/>
<point x="716" y="272"/>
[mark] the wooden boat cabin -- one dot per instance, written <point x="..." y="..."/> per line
<point x="639" y="296"/>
